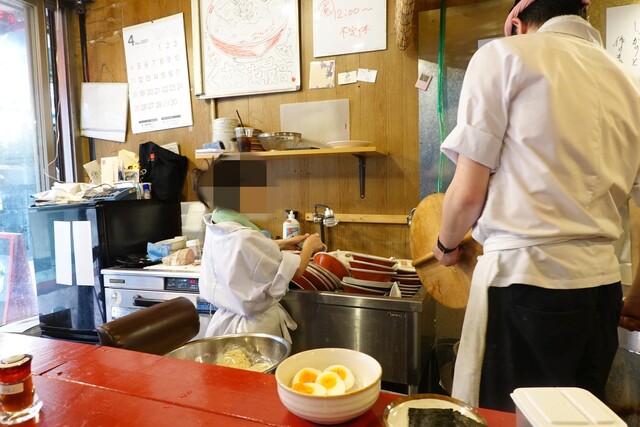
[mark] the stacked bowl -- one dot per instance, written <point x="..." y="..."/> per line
<point x="323" y="274"/>
<point x="223" y="130"/>
<point x="369" y="274"/>
<point x="358" y="273"/>
<point x="407" y="278"/>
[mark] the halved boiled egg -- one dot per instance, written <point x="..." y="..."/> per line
<point x="313" y="389"/>
<point x="344" y="373"/>
<point x="306" y="375"/>
<point x="332" y="382"/>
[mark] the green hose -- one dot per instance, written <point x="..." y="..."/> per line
<point x="441" y="77"/>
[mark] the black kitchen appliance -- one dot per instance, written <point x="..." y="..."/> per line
<point x="69" y="284"/>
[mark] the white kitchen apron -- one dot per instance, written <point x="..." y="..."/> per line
<point x="468" y="368"/>
<point x="274" y="321"/>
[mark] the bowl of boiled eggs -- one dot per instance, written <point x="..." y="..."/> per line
<point x="329" y="385"/>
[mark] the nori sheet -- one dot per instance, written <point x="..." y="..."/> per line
<point x="439" y="417"/>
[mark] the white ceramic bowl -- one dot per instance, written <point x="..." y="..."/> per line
<point x="330" y="409"/>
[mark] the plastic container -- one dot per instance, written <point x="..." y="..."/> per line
<point x="560" y="406"/>
<point x="146" y="191"/>
<point x="291" y="226"/>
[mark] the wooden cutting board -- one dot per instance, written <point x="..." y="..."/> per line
<point x="447" y="285"/>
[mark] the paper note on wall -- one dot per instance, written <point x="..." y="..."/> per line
<point x="103" y="111"/>
<point x="62" y="251"/>
<point x="623" y="34"/>
<point x="349" y="26"/>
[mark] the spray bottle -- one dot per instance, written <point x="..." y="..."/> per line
<point x="291" y="226"/>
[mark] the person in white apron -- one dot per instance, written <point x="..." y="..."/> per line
<point x="245" y="274"/>
<point x="546" y="148"/>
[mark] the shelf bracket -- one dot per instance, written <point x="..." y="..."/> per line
<point x="362" y="165"/>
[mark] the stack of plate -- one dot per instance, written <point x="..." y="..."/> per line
<point x="223" y="130"/>
<point x="352" y="285"/>
<point x="407" y="278"/>
<point x="317" y="278"/>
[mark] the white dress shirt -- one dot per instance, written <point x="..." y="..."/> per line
<point x="561" y="167"/>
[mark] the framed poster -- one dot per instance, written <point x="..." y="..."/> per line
<point x="159" y="92"/>
<point x="248" y="47"/>
<point x="349" y="26"/>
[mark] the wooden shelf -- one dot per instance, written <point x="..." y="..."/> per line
<point x="288" y="154"/>
<point x="360" y="152"/>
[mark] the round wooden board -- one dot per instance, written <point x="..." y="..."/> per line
<point x="447" y="285"/>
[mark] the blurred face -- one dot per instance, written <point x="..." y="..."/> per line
<point x="240" y="185"/>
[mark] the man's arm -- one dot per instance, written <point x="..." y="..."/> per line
<point x="462" y="206"/>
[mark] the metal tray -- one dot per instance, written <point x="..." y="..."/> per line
<point x="396" y="412"/>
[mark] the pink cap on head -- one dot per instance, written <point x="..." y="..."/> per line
<point x="522" y="5"/>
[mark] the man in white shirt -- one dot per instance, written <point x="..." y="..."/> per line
<point x="546" y="147"/>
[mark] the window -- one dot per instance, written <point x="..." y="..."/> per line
<point x="26" y="142"/>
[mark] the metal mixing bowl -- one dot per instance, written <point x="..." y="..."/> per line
<point x="279" y="140"/>
<point x="266" y="350"/>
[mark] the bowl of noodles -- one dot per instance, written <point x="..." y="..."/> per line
<point x="249" y="351"/>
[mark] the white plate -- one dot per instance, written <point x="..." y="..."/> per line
<point x="348" y="143"/>
<point x="396" y="414"/>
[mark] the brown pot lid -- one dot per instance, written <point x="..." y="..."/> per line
<point x="447" y="285"/>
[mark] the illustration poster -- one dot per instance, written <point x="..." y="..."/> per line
<point x="249" y="47"/>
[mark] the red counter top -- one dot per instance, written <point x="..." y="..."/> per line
<point x="106" y="386"/>
<point x="48" y="353"/>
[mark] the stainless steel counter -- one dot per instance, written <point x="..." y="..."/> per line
<point x="398" y="332"/>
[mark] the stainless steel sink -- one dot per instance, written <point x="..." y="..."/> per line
<point x="398" y="332"/>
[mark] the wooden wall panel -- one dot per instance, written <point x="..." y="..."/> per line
<point x="384" y="112"/>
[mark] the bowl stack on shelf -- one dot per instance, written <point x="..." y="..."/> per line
<point x="223" y="130"/>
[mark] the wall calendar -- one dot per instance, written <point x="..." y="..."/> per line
<point x="156" y="58"/>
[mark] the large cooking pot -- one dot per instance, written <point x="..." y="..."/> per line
<point x="447" y="285"/>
